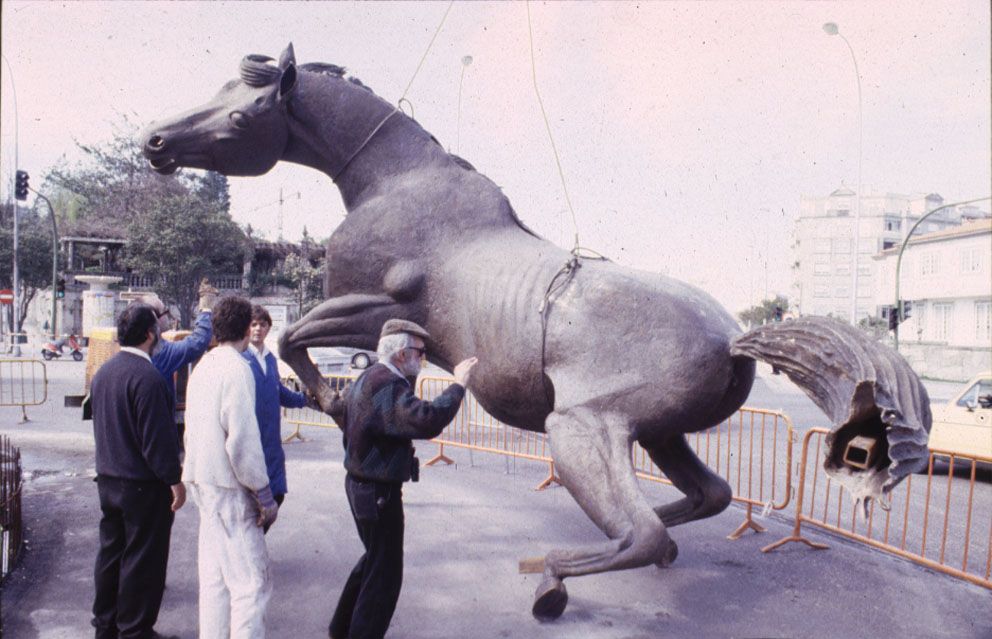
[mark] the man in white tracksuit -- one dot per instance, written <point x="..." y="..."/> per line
<point x="227" y="478"/>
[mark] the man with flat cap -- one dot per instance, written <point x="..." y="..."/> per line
<point x="380" y="416"/>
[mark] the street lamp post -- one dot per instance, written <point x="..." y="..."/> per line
<point x="831" y="28"/>
<point x="898" y="307"/>
<point x="466" y="61"/>
<point x="15" y="272"/>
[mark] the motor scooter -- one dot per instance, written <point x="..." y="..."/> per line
<point x="51" y="350"/>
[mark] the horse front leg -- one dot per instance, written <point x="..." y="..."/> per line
<point x="592" y="456"/>
<point x="340" y="321"/>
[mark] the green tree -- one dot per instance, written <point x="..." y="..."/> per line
<point x="34" y="262"/>
<point x="179" y="239"/>
<point x="306" y="278"/>
<point x="764" y="312"/>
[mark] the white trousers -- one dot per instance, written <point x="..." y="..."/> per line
<point x="233" y="564"/>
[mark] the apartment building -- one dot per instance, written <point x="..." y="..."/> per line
<point x="946" y="275"/>
<point x="824" y="251"/>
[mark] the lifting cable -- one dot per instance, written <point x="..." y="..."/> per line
<point x="399" y="103"/>
<point x="568" y="270"/>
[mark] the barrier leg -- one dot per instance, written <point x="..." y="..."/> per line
<point x="296" y="435"/>
<point x="550" y="479"/>
<point x="748" y="523"/>
<point x="795" y="536"/>
<point x="440" y="457"/>
<point x="24" y="415"/>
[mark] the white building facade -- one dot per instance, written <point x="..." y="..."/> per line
<point x="824" y="251"/>
<point x="947" y="277"/>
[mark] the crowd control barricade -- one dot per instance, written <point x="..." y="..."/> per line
<point x="299" y="417"/>
<point x="941" y="522"/>
<point x="23" y="382"/>
<point x="752" y="451"/>
<point x="474" y="429"/>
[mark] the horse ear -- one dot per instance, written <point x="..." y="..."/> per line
<point x="287" y="57"/>
<point x="287" y="83"/>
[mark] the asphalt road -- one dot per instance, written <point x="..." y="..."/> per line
<point x="467" y="526"/>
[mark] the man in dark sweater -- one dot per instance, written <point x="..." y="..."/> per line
<point x="138" y="480"/>
<point x="379" y="418"/>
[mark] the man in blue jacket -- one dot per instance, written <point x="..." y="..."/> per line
<point x="270" y="395"/>
<point x="170" y="357"/>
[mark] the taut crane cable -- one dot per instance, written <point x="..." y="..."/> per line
<point x="399" y="103"/>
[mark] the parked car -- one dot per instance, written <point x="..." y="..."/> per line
<point x="341" y="359"/>
<point x="964" y="425"/>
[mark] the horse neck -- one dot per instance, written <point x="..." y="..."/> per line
<point x="331" y="120"/>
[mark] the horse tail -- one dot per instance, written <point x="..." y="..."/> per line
<point x="866" y="389"/>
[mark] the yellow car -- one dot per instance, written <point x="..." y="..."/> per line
<point x="964" y="425"/>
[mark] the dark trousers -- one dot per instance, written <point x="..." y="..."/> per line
<point x="134" y="552"/>
<point x="369" y="597"/>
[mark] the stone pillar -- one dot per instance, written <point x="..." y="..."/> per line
<point x="98" y="302"/>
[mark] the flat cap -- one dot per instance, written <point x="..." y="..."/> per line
<point x="394" y="326"/>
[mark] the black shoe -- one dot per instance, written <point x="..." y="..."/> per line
<point x="158" y="635"/>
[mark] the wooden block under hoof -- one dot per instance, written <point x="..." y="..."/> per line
<point x="532" y="565"/>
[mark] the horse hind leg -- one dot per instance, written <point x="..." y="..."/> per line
<point x="706" y="493"/>
<point x="592" y="456"/>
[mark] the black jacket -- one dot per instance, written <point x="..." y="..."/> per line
<point x="381" y="416"/>
<point x="132" y="422"/>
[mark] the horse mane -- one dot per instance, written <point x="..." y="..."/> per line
<point x="332" y="70"/>
<point x="336" y="71"/>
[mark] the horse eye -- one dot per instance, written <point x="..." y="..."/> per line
<point x="239" y="120"/>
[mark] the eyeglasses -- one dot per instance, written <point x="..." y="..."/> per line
<point x="421" y="352"/>
<point x="163" y="313"/>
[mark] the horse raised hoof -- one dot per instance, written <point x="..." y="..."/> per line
<point x="670" y="555"/>
<point x="550" y="599"/>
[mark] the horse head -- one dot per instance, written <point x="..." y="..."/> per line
<point x="242" y="131"/>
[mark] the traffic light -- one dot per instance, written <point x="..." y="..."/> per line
<point x="21" y="185"/>
<point x="907" y="308"/>
<point x="893" y="318"/>
<point x="60" y="288"/>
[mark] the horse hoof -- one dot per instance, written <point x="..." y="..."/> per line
<point x="550" y="599"/>
<point x="670" y="555"/>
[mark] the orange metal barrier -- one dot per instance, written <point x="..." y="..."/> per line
<point x="23" y="382"/>
<point x="307" y="416"/>
<point x="475" y="429"/>
<point x="942" y="523"/>
<point x="752" y="451"/>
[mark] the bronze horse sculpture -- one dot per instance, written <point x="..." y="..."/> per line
<point x="429" y="239"/>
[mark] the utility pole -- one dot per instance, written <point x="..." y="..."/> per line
<point x="16" y="272"/>
<point x="55" y="265"/>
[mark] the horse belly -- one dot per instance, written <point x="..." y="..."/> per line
<point x="496" y="316"/>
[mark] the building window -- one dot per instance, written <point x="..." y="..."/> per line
<point x="821" y="246"/>
<point x="983" y="322"/>
<point x="893" y="224"/>
<point x="842" y="291"/>
<point x="843" y="268"/>
<point x="864" y="290"/>
<point x="887" y="244"/>
<point x="971" y="261"/>
<point x="821" y="268"/>
<point x="942" y="315"/>
<point x="929" y="264"/>
<point x="840" y="245"/>
<point x="821" y="290"/>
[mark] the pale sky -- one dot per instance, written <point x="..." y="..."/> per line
<point x="687" y="131"/>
